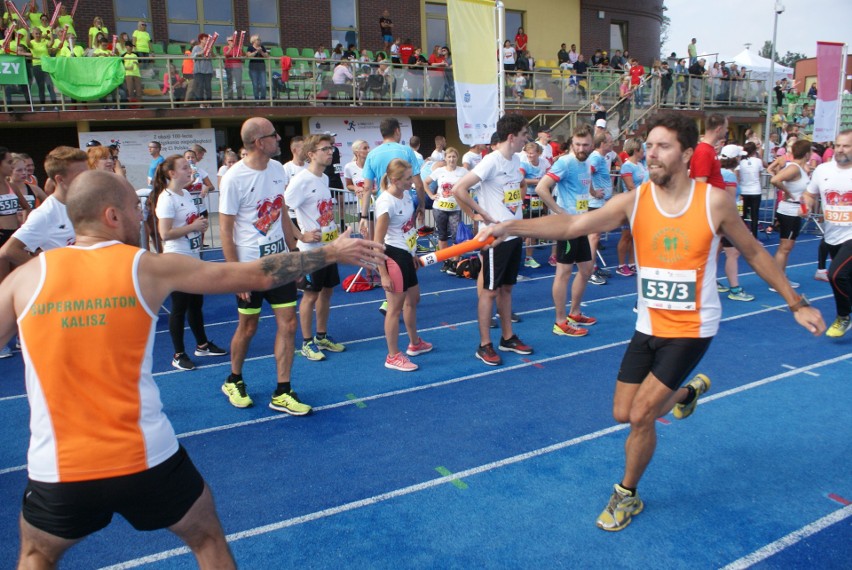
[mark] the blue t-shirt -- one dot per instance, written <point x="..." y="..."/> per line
<point x="730" y="178"/>
<point x="601" y="179"/>
<point x="636" y="171"/>
<point x="152" y="168"/>
<point x="531" y="171"/>
<point x="378" y="159"/>
<point x="573" y="180"/>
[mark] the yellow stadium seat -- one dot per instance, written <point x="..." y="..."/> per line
<point x="529" y="94"/>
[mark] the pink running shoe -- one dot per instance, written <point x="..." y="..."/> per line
<point x="422" y="347"/>
<point x="400" y="362"/>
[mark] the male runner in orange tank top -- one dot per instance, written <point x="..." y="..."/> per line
<point x="114" y="450"/>
<point x="676" y="238"/>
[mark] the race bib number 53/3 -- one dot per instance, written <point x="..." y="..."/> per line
<point x="668" y="289"/>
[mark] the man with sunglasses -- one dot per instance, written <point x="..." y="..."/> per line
<point x="254" y="223"/>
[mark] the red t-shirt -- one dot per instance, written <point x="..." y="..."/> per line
<point x="520" y="42"/>
<point x="636" y="74"/>
<point x="705" y="164"/>
<point x="405" y="52"/>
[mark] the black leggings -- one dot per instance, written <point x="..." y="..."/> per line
<point x="751" y="211"/>
<point x="186" y="306"/>
<point x="840" y="276"/>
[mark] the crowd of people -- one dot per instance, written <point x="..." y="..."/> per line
<point x="676" y="190"/>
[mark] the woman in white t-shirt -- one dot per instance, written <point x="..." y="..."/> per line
<point x="353" y="181"/>
<point x="509" y="55"/>
<point x="229" y="160"/>
<point x="180" y="227"/>
<point x="396" y="228"/>
<point x="445" y="209"/>
<point x="748" y="172"/>
<point x="792" y="182"/>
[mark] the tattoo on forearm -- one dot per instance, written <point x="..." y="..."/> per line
<point x="287" y="267"/>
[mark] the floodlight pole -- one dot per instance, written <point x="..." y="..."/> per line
<point x="499" y="16"/>
<point x="779" y="9"/>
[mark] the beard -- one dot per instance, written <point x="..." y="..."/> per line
<point x="659" y="176"/>
<point x="581" y="156"/>
<point x="842" y="158"/>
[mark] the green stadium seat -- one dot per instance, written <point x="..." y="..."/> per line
<point x="276" y="51"/>
<point x="174" y="49"/>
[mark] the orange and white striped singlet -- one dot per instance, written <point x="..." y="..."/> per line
<point x="676" y="260"/>
<point x="86" y="337"/>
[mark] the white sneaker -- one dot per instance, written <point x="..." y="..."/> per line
<point x="821" y="275"/>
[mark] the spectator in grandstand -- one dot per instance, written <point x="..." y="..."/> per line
<point x="39" y="47"/>
<point x="386" y="29"/>
<point x="597" y="58"/>
<point x="174" y="82"/>
<point x="562" y="57"/>
<point x="521" y="40"/>
<point x="233" y="70"/>
<point x="666" y="81"/>
<point x="580" y="68"/>
<point x="132" y="75"/>
<point x="202" y="72"/>
<point x="696" y="81"/>
<point x="142" y="43"/>
<point x="97" y="28"/>
<point x="65" y="19"/>
<point x="573" y="54"/>
<point x="692" y="51"/>
<point x="617" y="62"/>
<point x="320" y="58"/>
<point x="258" y="55"/>
<point x="509" y="56"/>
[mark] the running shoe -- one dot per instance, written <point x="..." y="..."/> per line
<point x="424" y="231"/>
<point x="740" y="295"/>
<point x="516" y="318"/>
<point x="794" y="284"/>
<point x="5" y="352"/>
<point x="328" y="344"/>
<point x="514" y="344"/>
<point x="531" y="263"/>
<point x="581" y="319"/>
<point x="700" y="384"/>
<point x="566" y="329"/>
<point x="445" y="266"/>
<point x="289" y="403"/>
<point x="400" y="362"/>
<point x="551" y="261"/>
<point x="210" y="350"/>
<point x="821" y="275"/>
<point x="237" y="395"/>
<point x="839" y="327"/>
<point x="383" y="308"/>
<point x="182" y="362"/>
<point x="311" y="351"/>
<point x="632" y="267"/>
<point x="422" y="347"/>
<point x="451" y="266"/>
<point x="423" y="249"/>
<point x="620" y="510"/>
<point x="487" y="355"/>
<point x="625" y="271"/>
<point x="493" y="324"/>
<point x="596" y="279"/>
<point x="721" y="287"/>
<point x="605" y="273"/>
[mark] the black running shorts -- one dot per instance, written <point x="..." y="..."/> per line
<point x="669" y="359"/>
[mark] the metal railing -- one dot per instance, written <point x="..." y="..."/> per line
<point x="312" y="83"/>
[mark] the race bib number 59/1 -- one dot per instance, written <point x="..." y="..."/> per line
<point x="668" y="289"/>
<point x="271" y="247"/>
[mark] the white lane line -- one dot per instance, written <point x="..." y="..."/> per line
<point x="783" y="543"/>
<point x="467" y="473"/>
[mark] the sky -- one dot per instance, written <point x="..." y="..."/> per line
<point x="724" y="26"/>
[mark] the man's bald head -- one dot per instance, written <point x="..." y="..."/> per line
<point x="253" y="129"/>
<point x="92" y="193"/>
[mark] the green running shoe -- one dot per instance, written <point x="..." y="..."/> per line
<point x="289" y="403"/>
<point x="237" y="395"/>
<point x="701" y="384"/>
<point x="311" y="351"/>
<point x="328" y="344"/>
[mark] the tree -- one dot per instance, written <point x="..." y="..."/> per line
<point x="664" y="30"/>
<point x="789" y="60"/>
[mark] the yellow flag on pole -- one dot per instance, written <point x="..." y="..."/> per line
<point x="473" y="39"/>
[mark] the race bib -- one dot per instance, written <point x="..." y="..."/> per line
<point x="582" y="204"/>
<point x="841" y="215"/>
<point x="445" y="205"/>
<point x="512" y="197"/>
<point x="411" y="239"/>
<point x="740" y="206"/>
<point x="270" y="248"/>
<point x="194" y="242"/>
<point x="535" y="203"/>
<point x="668" y="289"/>
<point x="8" y="205"/>
<point x="329" y="233"/>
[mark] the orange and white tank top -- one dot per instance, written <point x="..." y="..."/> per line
<point x="676" y="260"/>
<point x="86" y="337"/>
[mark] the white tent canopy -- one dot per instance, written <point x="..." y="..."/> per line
<point x="759" y="66"/>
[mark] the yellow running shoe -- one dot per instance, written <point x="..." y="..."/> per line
<point x="700" y="384"/>
<point x="237" y="395"/>
<point x="620" y="510"/>
<point x="289" y="403"/>
<point x="328" y="344"/>
<point x="839" y="327"/>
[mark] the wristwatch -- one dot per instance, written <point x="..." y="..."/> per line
<point x="802" y="302"/>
